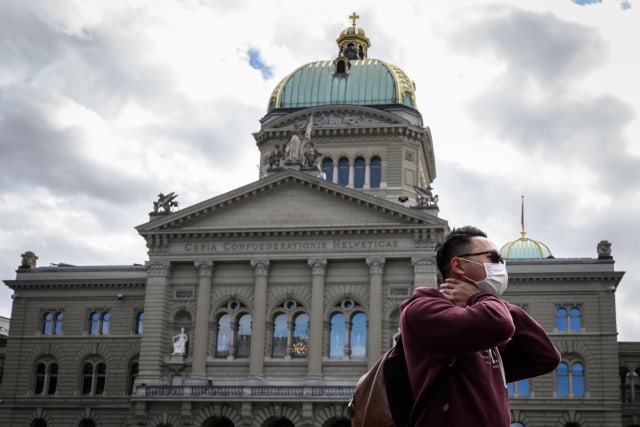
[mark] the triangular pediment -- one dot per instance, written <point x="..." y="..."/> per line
<point x="290" y="200"/>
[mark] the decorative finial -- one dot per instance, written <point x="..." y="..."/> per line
<point x="522" y="233"/>
<point x="354" y="17"/>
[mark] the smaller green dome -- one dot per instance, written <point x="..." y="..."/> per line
<point x="525" y="248"/>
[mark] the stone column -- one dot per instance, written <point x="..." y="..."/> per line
<point x="351" y="177"/>
<point x="367" y="175"/>
<point x="200" y="339"/>
<point x="314" y="367"/>
<point x="259" y="319"/>
<point x="152" y="347"/>
<point x="335" y="173"/>
<point x="374" y="327"/>
<point x="424" y="271"/>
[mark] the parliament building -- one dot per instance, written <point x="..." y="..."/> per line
<point x="261" y="307"/>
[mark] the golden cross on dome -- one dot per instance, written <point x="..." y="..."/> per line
<point x="353" y="17"/>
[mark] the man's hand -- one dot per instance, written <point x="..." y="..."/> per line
<point x="458" y="291"/>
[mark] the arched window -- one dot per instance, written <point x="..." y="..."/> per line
<point x="359" y="336"/>
<point x="233" y="331"/>
<point x="46" y="378"/>
<point x="94" y="376"/>
<point x="223" y="341"/>
<point x="343" y="171"/>
<point x="577" y="379"/>
<point x="290" y="336"/>
<point x="358" y="172"/>
<point x="99" y="323"/>
<point x="300" y="342"/>
<point x="569" y="320"/>
<point x="47" y="323"/>
<point x="244" y="336"/>
<point x="570" y="379"/>
<point x="561" y="319"/>
<point x="348" y="316"/>
<point x="57" y="327"/>
<point x="517" y="424"/>
<point x="133" y="374"/>
<point x="518" y="388"/>
<point x="139" y="323"/>
<point x="375" y="177"/>
<point x="562" y="379"/>
<point x="575" y="319"/>
<point x="87" y="423"/>
<point x="39" y="422"/>
<point x="337" y="336"/>
<point x="52" y="323"/>
<point x="327" y="169"/>
<point x="280" y="336"/>
<point x="106" y="322"/>
<point x="630" y="385"/>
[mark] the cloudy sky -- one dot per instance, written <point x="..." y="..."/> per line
<point x="105" y="104"/>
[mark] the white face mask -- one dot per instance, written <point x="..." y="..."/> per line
<point x="496" y="278"/>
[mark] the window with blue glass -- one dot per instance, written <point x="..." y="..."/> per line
<point x="223" y="340"/>
<point x="139" y="323"/>
<point x="343" y="171"/>
<point x="570" y="379"/>
<point x="337" y="336"/>
<point x="517" y="424"/>
<point x="348" y="331"/>
<point x="327" y="169"/>
<point x="233" y="336"/>
<point x="568" y="320"/>
<point x="290" y="337"/>
<point x="359" y="167"/>
<point x="375" y="177"/>
<point x="52" y="323"/>
<point x="99" y="323"/>
<point x="519" y="388"/>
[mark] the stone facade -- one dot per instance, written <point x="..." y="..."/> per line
<point x="288" y="290"/>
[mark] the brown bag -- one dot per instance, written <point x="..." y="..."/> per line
<point x="382" y="397"/>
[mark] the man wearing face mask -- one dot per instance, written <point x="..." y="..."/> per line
<point x="463" y="343"/>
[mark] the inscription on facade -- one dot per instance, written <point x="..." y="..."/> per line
<point x="234" y="247"/>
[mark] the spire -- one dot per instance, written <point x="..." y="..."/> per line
<point x="522" y="232"/>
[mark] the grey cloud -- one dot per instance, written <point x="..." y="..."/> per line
<point x="538" y="46"/>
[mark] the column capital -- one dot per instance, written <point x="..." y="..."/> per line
<point x="423" y="264"/>
<point x="158" y="268"/>
<point x="260" y="266"/>
<point x="376" y="264"/>
<point x="318" y="266"/>
<point x="205" y="268"/>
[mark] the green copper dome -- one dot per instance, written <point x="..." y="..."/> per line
<point x="368" y="82"/>
<point x="525" y="248"/>
<point x="352" y="78"/>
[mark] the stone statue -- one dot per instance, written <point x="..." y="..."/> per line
<point x="604" y="249"/>
<point x="180" y="342"/>
<point x="165" y="203"/>
<point x="295" y="147"/>
<point x="275" y="156"/>
<point x="29" y="260"/>
<point x="311" y="156"/>
<point x="426" y="197"/>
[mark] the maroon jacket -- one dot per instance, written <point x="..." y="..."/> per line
<point x="476" y="341"/>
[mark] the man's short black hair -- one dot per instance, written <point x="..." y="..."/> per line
<point x="456" y="243"/>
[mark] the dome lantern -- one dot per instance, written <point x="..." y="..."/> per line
<point x="352" y="41"/>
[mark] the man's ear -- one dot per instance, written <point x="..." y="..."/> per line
<point x="456" y="266"/>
